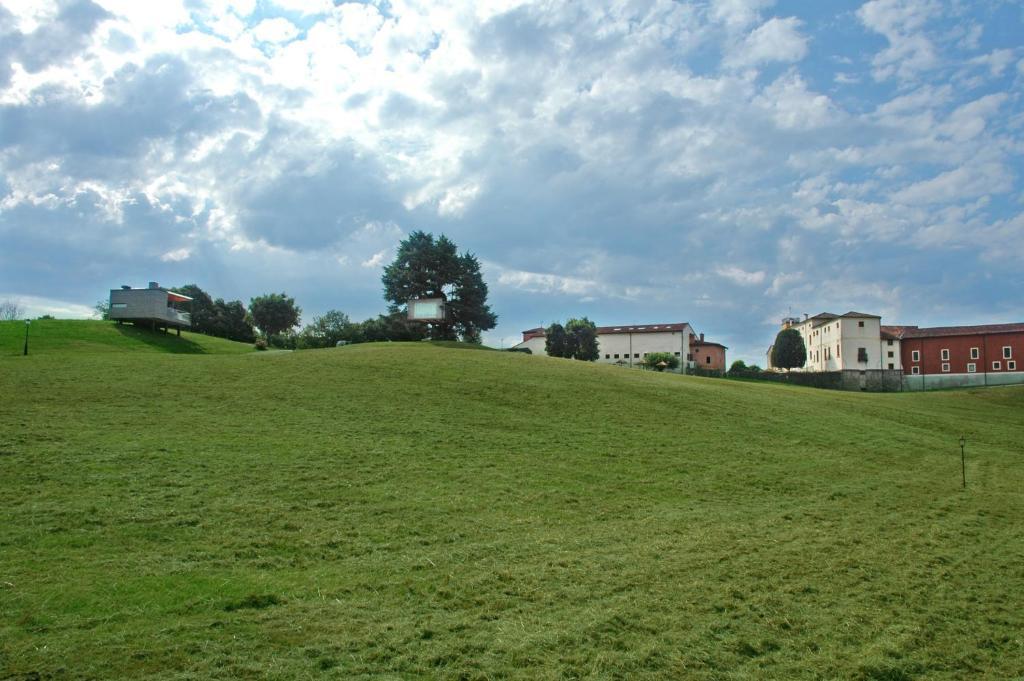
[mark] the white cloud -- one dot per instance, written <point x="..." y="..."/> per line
<point x="996" y="61"/>
<point x="275" y="30"/>
<point x="775" y="40"/>
<point x="376" y="260"/>
<point x="177" y="255"/>
<point x="37" y="306"/>
<point x="738" y="13"/>
<point x="910" y="51"/>
<point x="738" y="275"/>
<point x="965" y="182"/>
<point x="792" y="105"/>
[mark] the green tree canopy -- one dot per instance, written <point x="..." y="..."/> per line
<point x="581" y="339"/>
<point x="555" y="341"/>
<point x="738" y="365"/>
<point x="789" y="351"/>
<point x="274" y="313"/>
<point x="425" y="267"/>
<point x="217" y="317"/>
<point x="201" y="308"/>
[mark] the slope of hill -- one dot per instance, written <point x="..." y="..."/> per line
<point x="405" y="510"/>
<point x="61" y="336"/>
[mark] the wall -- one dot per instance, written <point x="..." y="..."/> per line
<point x="990" y="349"/>
<point x="872" y="380"/>
<point x="536" y="345"/>
<point x="630" y="347"/>
<point x="701" y="353"/>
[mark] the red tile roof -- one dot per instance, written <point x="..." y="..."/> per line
<point x="643" y="328"/>
<point x="700" y="344"/>
<point x="904" y="332"/>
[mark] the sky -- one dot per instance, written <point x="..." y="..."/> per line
<point x="720" y="162"/>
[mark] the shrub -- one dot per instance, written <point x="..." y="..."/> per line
<point x="667" y="359"/>
<point x="261" y="344"/>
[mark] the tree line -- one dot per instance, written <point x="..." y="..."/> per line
<point x="424" y="267"/>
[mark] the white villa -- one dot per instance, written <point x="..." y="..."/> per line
<point x="851" y="341"/>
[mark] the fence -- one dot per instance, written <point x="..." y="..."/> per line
<point x="871" y="380"/>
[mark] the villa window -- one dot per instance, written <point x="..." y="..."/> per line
<point x="971" y="367"/>
<point x="915" y="356"/>
<point x="945" y="355"/>
<point x="945" y="367"/>
<point x="1007" y="352"/>
<point x="975" y="353"/>
<point x="915" y="370"/>
<point x="997" y="365"/>
<point x="1011" y="365"/>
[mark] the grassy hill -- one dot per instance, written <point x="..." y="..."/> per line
<point x="77" y="336"/>
<point x="407" y="510"/>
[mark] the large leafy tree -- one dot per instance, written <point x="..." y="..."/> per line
<point x="217" y="317"/>
<point x="576" y="340"/>
<point x="555" y="340"/>
<point x="274" y="313"/>
<point x="425" y="267"/>
<point x="201" y="308"/>
<point x="789" y="351"/>
<point x="581" y="339"/>
<point x="231" y="321"/>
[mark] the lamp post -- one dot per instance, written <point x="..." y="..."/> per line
<point x="27" y="322"/>
<point x="963" y="461"/>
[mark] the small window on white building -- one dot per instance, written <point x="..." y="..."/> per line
<point x="616" y="356"/>
<point x="975" y="353"/>
<point x="997" y="365"/>
<point x="677" y="354"/>
<point x="972" y="367"/>
<point x="1011" y="365"/>
<point x="915" y="355"/>
<point x="945" y="355"/>
<point x="636" y="355"/>
<point x="915" y="370"/>
<point x="891" y="365"/>
<point x="860" y="324"/>
<point x="607" y="356"/>
<point x="945" y="367"/>
<point x="889" y="342"/>
<point x="1007" y="352"/>
<point x="890" y="353"/>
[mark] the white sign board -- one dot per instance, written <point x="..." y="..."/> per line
<point x="426" y="309"/>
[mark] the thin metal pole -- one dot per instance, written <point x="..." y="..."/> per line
<point x="26" y="338"/>
<point x="963" y="462"/>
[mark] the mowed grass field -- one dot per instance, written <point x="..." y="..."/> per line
<point x="395" y="511"/>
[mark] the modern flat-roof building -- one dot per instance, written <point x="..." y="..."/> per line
<point x="154" y="306"/>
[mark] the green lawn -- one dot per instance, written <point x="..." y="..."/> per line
<point x="76" y="336"/>
<point x="405" y="510"/>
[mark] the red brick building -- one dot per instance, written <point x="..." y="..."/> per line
<point x="706" y="355"/>
<point x="949" y="356"/>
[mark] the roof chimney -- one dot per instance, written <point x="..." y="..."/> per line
<point x="154" y="284"/>
<point x="126" y="287"/>
<point x="702" y="338"/>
